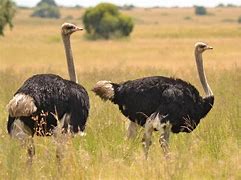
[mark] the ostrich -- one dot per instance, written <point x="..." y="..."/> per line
<point x="49" y="97"/>
<point x="161" y="103"/>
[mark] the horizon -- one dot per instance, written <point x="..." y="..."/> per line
<point x="136" y="3"/>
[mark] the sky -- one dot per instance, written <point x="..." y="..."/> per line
<point x="138" y="3"/>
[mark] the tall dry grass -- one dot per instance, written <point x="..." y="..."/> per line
<point x="161" y="44"/>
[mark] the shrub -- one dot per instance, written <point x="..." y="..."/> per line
<point x="105" y="21"/>
<point x="200" y="10"/>
<point x="7" y="11"/>
<point x="187" y="18"/>
<point x="69" y="17"/>
<point x="125" y="25"/>
<point x="239" y="19"/>
<point x="46" y="9"/>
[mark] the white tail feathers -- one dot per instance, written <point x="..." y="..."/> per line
<point x="21" y="105"/>
<point x="104" y="89"/>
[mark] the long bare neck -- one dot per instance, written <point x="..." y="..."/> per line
<point x="69" y="57"/>
<point x="201" y="73"/>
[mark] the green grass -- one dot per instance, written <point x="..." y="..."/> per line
<point x="160" y="45"/>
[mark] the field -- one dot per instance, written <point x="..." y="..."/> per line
<point x="162" y="43"/>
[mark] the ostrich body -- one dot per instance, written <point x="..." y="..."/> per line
<point x="49" y="97"/>
<point x="161" y="103"/>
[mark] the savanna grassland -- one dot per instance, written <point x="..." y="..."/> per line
<point x="162" y="43"/>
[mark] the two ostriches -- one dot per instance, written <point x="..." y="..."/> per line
<point x="160" y="103"/>
<point x="157" y="103"/>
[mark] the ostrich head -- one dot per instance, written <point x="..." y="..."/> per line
<point x="200" y="47"/>
<point x="68" y="29"/>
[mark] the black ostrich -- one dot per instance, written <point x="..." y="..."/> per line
<point x="161" y="103"/>
<point x="44" y="98"/>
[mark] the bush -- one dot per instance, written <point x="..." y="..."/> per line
<point x="187" y="18"/>
<point x="200" y="10"/>
<point x="7" y="11"/>
<point x="69" y="17"/>
<point x="46" y="9"/>
<point x="105" y="21"/>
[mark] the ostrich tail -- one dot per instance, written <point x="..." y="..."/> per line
<point x="104" y="89"/>
<point x="21" y="105"/>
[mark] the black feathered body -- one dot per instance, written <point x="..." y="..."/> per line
<point x="54" y="95"/>
<point x="176" y="100"/>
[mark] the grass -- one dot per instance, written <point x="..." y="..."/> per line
<point x="160" y="45"/>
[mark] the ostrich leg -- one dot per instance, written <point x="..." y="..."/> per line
<point x="146" y="140"/>
<point x="164" y="137"/>
<point x="154" y="123"/>
<point x="60" y="135"/>
<point x="132" y="130"/>
<point x="22" y="133"/>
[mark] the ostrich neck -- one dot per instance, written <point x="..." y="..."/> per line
<point x="201" y="73"/>
<point x="69" y="57"/>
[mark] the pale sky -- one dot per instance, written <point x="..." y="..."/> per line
<point x="139" y="3"/>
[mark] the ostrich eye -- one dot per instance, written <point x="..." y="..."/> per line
<point x="69" y="27"/>
<point x="202" y="46"/>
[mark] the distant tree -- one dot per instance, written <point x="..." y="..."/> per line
<point x="78" y="7"/>
<point x="7" y="12"/>
<point x="46" y="9"/>
<point x="49" y="2"/>
<point x="231" y="5"/>
<point x="105" y="21"/>
<point x="221" y="5"/>
<point x="127" y="7"/>
<point x="200" y="10"/>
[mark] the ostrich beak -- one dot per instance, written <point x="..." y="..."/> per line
<point x="79" y="29"/>
<point x="209" y="47"/>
